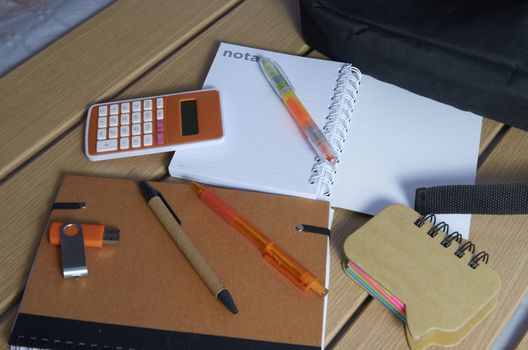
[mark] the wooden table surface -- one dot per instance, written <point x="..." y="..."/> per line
<point x="141" y="48"/>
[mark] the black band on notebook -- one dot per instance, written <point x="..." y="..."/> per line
<point x="58" y="333"/>
<point x="69" y="205"/>
<point x="313" y="229"/>
<point x="505" y="199"/>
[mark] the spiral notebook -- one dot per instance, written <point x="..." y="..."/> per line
<point x="144" y="294"/>
<point x="392" y="141"/>
<point x="435" y="282"/>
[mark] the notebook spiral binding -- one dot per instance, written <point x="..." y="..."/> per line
<point x="27" y="343"/>
<point x="453" y="236"/>
<point x="336" y="128"/>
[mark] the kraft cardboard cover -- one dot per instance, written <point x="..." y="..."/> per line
<point x="145" y="282"/>
<point x="442" y="294"/>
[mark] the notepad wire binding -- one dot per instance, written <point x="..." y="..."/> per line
<point x="336" y="127"/>
<point x="467" y="246"/>
<point x="23" y="343"/>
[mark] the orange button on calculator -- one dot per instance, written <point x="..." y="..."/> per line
<point x="153" y="124"/>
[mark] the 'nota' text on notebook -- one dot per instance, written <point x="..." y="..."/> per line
<point x="238" y="55"/>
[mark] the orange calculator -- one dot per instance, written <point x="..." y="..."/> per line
<point x="153" y="124"/>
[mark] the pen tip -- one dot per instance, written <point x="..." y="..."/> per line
<point x="226" y="299"/>
<point x="198" y="189"/>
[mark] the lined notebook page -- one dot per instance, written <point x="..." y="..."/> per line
<point x="263" y="148"/>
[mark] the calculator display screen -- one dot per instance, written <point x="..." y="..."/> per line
<point x="189" y="113"/>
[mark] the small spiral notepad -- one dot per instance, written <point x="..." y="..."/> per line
<point x="427" y="275"/>
<point x="385" y="135"/>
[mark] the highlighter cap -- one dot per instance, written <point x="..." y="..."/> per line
<point x="275" y="76"/>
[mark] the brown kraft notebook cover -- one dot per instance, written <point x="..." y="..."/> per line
<point x="144" y="294"/>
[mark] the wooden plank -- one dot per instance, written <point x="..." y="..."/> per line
<point x="50" y="93"/>
<point x="6" y="322"/>
<point x="523" y="344"/>
<point x="490" y="129"/>
<point x="502" y="236"/>
<point x="344" y="297"/>
<point x="28" y="195"/>
<point x="373" y="329"/>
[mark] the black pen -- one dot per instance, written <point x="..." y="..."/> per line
<point x="172" y="223"/>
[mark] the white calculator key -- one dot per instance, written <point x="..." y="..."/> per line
<point x="136" y="130"/>
<point x="136" y="106"/>
<point x="147" y="128"/>
<point x="124" y="143"/>
<point x="125" y="130"/>
<point x="147" y="140"/>
<point x="114" y="119"/>
<point x="101" y="134"/>
<point x="147" y="116"/>
<point x="106" y="145"/>
<point x="147" y="105"/>
<point x="114" y="109"/>
<point x="125" y="119"/>
<point x="159" y="114"/>
<point x="136" y="117"/>
<point x="103" y="111"/>
<point x="101" y="122"/>
<point x="125" y="107"/>
<point x="112" y="133"/>
<point x="159" y="102"/>
<point x="136" y="141"/>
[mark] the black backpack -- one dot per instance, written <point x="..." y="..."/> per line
<point x="471" y="54"/>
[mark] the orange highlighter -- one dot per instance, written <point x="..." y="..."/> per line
<point x="294" y="271"/>
<point x="280" y="83"/>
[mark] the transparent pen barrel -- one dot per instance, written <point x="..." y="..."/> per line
<point x="305" y="122"/>
<point x="293" y="270"/>
<point x="318" y="141"/>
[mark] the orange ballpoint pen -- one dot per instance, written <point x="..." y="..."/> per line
<point x="293" y="270"/>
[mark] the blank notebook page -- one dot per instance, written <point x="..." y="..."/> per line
<point x="263" y="148"/>
<point x="398" y="141"/>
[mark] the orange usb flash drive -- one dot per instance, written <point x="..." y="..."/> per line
<point x="95" y="235"/>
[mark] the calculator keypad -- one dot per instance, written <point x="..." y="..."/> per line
<point x="126" y="125"/>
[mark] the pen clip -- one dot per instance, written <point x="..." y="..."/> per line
<point x="168" y="206"/>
